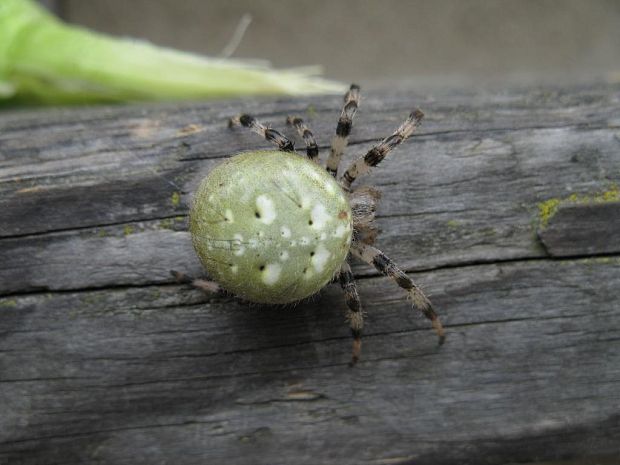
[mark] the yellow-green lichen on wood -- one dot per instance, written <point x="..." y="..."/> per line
<point x="601" y="261"/>
<point x="548" y="208"/>
<point x="166" y="223"/>
<point x="8" y="303"/>
<point x="176" y="199"/>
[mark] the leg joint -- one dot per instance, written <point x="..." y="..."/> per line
<point x="344" y="127"/>
<point x="247" y="120"/>
<point x="352" y="300"/>
<point x="374" y="156"/>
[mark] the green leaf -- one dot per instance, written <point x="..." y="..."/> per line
<point x="43" y="60"/>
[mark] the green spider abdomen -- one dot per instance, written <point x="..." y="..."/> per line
<point x="271" y="226"/>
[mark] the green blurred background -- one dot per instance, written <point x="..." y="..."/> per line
<point x="389" y="42"/>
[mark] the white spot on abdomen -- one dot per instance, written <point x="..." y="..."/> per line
<point x="238" y="243"/>
<point x="306" y="202"/>
<point x="271" y="273"/>
<point x="319" y="216"/>
<point x="341" y="230"/>
<point x="284" y="255"/>
<point x="228" y="214"/>
<point x="319" y="260"/>
<point x="286" y="232"/>
<point x="266" y="209"/>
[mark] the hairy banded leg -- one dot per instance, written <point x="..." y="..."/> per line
<point x="271" y="135"/>
<point x="376" y="258"/>
<point x="354" y="309"/>
<point x="210" y="287"/>
<point x="374" y="156"/>
<point x="345" y="122"/>
<point x="312" y="150"/>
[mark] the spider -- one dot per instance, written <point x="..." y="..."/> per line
<point x="271" y="226"/>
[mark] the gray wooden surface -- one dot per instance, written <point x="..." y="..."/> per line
<point x="505" y="207"/>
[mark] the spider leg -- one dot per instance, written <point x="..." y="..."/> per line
<point x="354" y="309"/>
<point x="210" y="287"/>
<point x="256" y="126"/>
<point x="382" y="263"/>
<point x="345" y="122"/>
<point x="312" y="150"/>
<point x="376" y="154"/>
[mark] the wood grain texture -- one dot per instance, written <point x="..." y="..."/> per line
<point x="504" y="207"/>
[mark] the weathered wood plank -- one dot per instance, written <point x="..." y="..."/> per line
<point x="531" y="369"/>
<point x="451" y="196"/>
<point x="47" y="159"/>
<point x="510" y="200"/>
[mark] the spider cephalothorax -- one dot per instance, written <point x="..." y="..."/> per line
<point x="272" y="226"/>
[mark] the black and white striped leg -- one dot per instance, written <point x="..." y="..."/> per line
<point x="376" y="154"/>
<point x="345" y="123"/>
<point x="271" y="135"/>
<point x="210" y="287"/>
<point x="382" y="263"/>
<point x="354" y="309"/>
<point x="312" y="150"/>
